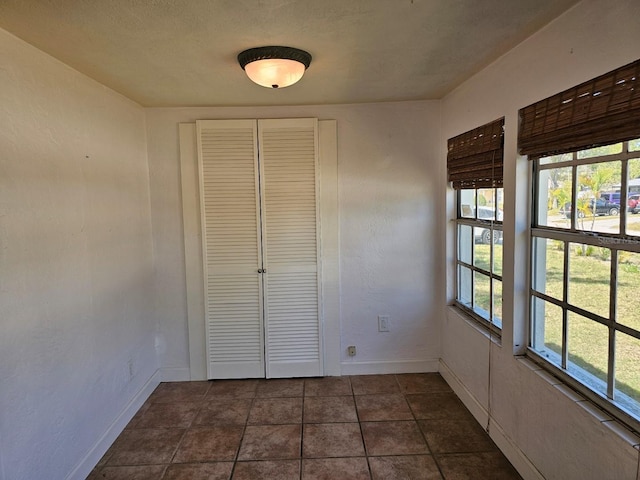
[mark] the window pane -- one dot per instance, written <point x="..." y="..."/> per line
<point x="497" y="303"/>
<point x="486" y="198"/>
<point x="490" y="202"/>
<point x="598" y="202"/>
<point x="481" y="257"/>
<point x="588" y="347"/>
<point x="564" y="157"/>
<point x="478" y="244"/>
<point x="628" y="289"/>
<point x="497" y="252"/>
<point x="627" y="385"/>
<point x="548" y="266"/>
<point x="465" y="243"/>
<point x="554" y="197"/>
<point x="467" y="203"/>
<point x="481" y="297"/>
<point x="600" y="151"/>
<point x="634" y="145"/>
<point x="633" y="201"/>
<point x="547" y="330"/>
<point x="464" y="286"/>
<point x="483" y="235"/>
<point x="589" y="276"/>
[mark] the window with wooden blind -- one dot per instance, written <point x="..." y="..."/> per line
<point x="584" y="144"/>
<point x="474" y="165"/>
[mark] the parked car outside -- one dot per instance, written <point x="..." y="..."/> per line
<point x="633" y="204"/>
<point x="483" y="235"/>
<point x="613" y="197"/>
<point x="602" y="207"/>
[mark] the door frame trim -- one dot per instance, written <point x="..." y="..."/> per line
<point x="329" y="232"/>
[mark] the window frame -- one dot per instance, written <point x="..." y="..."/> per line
<point x="473" y="223"/>
<point x="616" y="243"/>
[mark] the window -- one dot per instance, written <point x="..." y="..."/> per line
<point x="585" y="238"/>
<point x="474" y="164"/>
<point x="479" y="253"/>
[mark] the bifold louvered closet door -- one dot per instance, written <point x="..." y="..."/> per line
<point x="258" y="196"/>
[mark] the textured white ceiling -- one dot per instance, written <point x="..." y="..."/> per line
<point x="183" y="52"/>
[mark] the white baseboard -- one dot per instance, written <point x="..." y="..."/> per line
<point x="347" y="368"/>
<point x="517" y="458"/>
<point x="510" y="450"/>
<point x="471" y="402"/>
<point x="84" y="467"/>
<point x="182" y="374"/>
<point x="386" y="367"/>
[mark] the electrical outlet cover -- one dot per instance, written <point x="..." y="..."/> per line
<point x="383" y="323"/>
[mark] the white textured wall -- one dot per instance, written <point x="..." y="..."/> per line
<point x="388" y="208"/>
<point x="553" y="431"/>
<point x="76" y="263"/>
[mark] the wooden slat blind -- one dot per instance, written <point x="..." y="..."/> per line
<point x="475" y="158"/>
<point x="598" y="112"/>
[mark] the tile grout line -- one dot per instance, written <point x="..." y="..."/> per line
<point x="244" y="430"/>
<point x="424" y="436"/>
<point x="364" y="446"/>
<point x="184" y="434"/>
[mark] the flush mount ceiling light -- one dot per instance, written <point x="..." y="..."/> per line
<point x="274" y="67"/>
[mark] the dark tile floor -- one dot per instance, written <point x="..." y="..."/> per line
<point x="388" y="427"/>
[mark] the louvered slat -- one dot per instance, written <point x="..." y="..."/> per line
<point x="288" y="156"/>
<point x="231" y="249"/>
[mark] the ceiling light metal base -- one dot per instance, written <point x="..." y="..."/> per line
<point x="267" y="53"/>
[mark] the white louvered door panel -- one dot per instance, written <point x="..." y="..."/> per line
<point x="230" y="206"/>
<point x="288" y="165"/>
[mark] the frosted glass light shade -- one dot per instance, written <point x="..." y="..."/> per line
<point x="274" y="66"/>
<point x="275" y="72"/>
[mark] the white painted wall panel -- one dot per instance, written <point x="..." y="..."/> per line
<point x="76" y="267"/>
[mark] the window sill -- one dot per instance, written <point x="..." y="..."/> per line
<point x="628" y="435"/>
